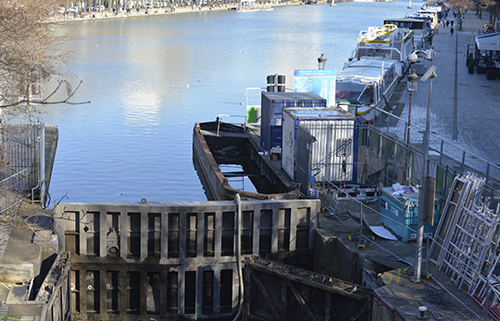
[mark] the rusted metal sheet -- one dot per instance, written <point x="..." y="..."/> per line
<point x="275" y="291"/>
<point x="55" y="290"/>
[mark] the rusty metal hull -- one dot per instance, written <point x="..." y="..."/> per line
<point x="279" y="186"/>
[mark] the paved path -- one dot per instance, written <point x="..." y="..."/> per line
<point x="478" y="99"/>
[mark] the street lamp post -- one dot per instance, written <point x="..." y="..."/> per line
<point x="321" y="62"/>
<point x="412" y="84"/>
<point x="430" y="74"/>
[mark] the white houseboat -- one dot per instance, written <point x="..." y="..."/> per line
<point x="422" y="30"/>
<point x="387" y="42"/>
<point x="366" y="85"/>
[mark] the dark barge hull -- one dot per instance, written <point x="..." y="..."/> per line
<point x="211" y="134"/>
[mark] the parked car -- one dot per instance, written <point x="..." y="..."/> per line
<point x="61" y="10"/>
<point x="73" y="9"/>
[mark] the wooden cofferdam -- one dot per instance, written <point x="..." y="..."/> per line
<point x="173" y="261"/>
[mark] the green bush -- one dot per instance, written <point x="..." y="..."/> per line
<point x="471" y="64"/>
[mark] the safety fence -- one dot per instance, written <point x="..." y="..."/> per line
<point x="22" y="161"/>
<point x="444" y="155"/>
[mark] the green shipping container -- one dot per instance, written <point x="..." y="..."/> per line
<point x="399" y="214"/>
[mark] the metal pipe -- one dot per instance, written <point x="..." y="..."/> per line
<point x="238" y="256"/>
<point x="455" y="94"/>
<point x="42" y="167"/>
<point x="421" y="206"/>
<point x="409" y="119"/>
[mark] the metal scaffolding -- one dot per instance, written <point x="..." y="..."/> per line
<point x="466" y="242"/>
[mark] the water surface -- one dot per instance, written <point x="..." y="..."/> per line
<point x="151" y="78"/>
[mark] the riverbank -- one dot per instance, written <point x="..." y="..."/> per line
<point x="454" y="92"/>
<point x="154" y="12"/>
<point x="463" y="104"/>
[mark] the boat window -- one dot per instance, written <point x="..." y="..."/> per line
<point x="406" y="24"/>
<point x="388" y="76"/>
<point x="367" y="96"/>
<point x="377" y="53"/>
<point x="349" y="91"/>
<point x="418" y="25"/>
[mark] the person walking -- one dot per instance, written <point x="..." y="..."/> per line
<point x="451" y="31"/>
<point x="451" y="22"/>
<point x="447" y="23"/>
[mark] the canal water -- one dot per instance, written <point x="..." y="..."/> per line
<point x="150" y="79"/>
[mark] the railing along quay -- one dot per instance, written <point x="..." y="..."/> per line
<point x="441" y="151"/>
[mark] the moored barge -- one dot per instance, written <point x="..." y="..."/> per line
<point x="216" y="143"/>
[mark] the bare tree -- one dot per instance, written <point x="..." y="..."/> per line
<point x="461" y="5"/>
<point x="31" y="51"/>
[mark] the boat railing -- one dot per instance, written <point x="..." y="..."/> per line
<point x="409" y="33"/>
<point x="230" y="119"/>
<point x="253" y="96"/>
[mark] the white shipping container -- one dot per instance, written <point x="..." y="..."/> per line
<point x="319" y="145"/>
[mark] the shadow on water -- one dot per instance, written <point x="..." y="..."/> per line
<point x="203" y="180"/>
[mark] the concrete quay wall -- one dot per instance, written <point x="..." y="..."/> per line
<point x="395" y="296"/>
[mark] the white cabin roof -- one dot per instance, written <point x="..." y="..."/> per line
<point x="364" y="70"/>
<point x="489" y="41"/>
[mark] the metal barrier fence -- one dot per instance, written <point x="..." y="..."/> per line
<point x="384" y="159"/>
<point x="442" y="153"/>
<point x="22" y="161"/>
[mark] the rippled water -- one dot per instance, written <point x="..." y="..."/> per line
<point x="150" y="79"/>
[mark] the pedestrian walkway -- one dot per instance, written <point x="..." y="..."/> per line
<point x="474" y="98"/>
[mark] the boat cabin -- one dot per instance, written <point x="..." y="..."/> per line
<point x="422" y="31"/>
<point x="386" y="42"/>
<point x="431" y="15"/>
<point x="366" y="85"/>
<point x="434" y="8"/>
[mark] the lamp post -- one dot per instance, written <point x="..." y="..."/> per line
<point x="412" y="84"/>
<point x="321" y="62"/>
<point x="429" y="74"/>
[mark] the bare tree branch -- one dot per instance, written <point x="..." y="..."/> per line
<point x="31" y="51"/>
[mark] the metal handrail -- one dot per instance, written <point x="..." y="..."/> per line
<point x="489" y="165"/>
